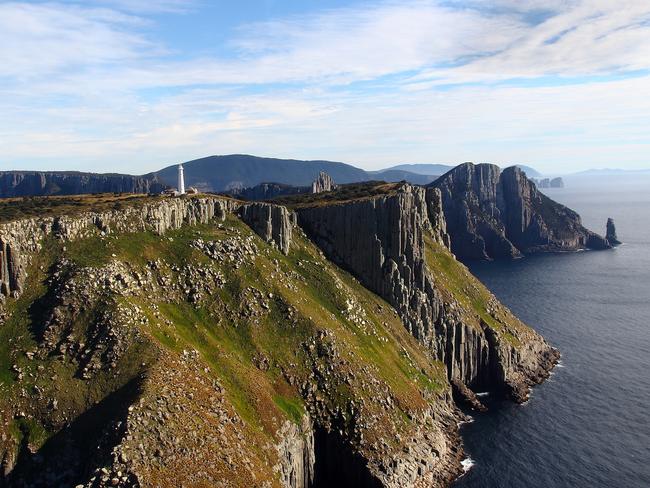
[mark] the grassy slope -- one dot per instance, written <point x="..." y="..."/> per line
<point x="232" y="332"/>
<point x="455" y="282"/>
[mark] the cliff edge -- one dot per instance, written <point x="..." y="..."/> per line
<point x="493" y="214"/>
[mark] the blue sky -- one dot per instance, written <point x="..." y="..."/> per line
<point x="131" y="85"/>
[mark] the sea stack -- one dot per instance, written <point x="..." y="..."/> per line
<point x="611" y="236"/>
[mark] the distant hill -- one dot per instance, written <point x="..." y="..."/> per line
<point x="221" y="173"/>
<point x="395" y="175"/>
<point x="421" y="168"/>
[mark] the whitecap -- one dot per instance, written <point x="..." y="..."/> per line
<point x="483" y="394"/>
<point x="467" y="464"/>
<point x="469" y="420"/>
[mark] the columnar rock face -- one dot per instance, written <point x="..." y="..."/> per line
<point x="296" y="453"/>
<point x="324" y="182"/>
<point x="21" y="239"/>
<point x="382" y="241"/>
<point x="611" y="236"/>
<point x="273" y="223"/>
<point x="27" y="183"/>
<point x="500" y="214"/>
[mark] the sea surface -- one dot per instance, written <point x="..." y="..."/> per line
<point x="589" y="424"/>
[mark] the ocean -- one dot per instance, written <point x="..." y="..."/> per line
<point x="589" y="424"/>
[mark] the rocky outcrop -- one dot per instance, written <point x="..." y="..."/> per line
<point x="296" y="453"/>
<point x="19" y="240"/>
<point x="548" y="182"/>
<point x="273" y="223"/>
<point x="495" y="214"/>
<point x="381" y="240"/>
<point x="31" y="183"/>
<point x="611" y="236"/>
<point x="323" y="183"/>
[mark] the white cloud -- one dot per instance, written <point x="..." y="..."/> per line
<point x="41" y="40"/>
<point x="85" y="83"/>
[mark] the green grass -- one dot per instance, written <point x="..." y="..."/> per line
<point x="344" y="193"/>
<point x="292" y="407"/>
<point x="460" y="284"/>
<point x="28" y="207"/>
<point x="16" y="335"/>
<point x="30" y="431"/>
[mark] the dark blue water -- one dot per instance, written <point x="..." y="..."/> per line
<point x="589" y="425"/>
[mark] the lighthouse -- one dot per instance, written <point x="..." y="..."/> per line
<point x="181" y="180"/>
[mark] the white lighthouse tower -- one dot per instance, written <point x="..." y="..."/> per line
<point x="181" y="180"/>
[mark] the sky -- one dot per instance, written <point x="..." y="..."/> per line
<point x="133" y="86"/>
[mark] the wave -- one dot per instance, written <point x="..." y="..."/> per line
<point x="469" y="420"/>
<point x="467" y="464"/>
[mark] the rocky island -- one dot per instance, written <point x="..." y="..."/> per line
<point x="202" y="340"/>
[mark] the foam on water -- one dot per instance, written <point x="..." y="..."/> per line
<point x="467" y="464"/>
<point x="469" y="420"/>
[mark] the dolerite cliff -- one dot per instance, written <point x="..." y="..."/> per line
<point x="205" y="341"/>
<point x="494" y="214"/>
<point x="383" y="241"/>
<point x="273" y="223"/>
<point x="33" y="183"/>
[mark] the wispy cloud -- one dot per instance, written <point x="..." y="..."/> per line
<point x="89" y="83"/>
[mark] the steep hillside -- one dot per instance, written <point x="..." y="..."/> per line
<point x="204" y="342"/>
<point x="35" y="183"/>
<point x="501" y="214"/>
<point x="222" y="173"/>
